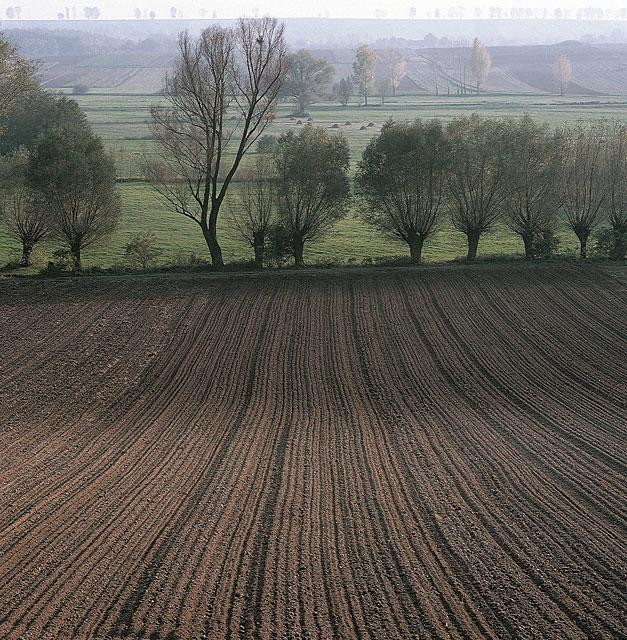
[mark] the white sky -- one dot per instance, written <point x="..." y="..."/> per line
<point x="117" y="9"/>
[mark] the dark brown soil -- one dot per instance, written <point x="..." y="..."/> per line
<point x="401" y="454"/>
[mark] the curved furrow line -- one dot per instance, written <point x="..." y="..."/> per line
<point x="199" y="456"/>
<point x="553" y="360"/>
<point x="595" y="299"/>
<point x="187" y="604"/>
<point x="105" y="452"/>
<point x="341" y="594"/>
<point x="513" y="479"/>
<point x="513" y="397"/>
<point x="93" y="431"/>
<point x="372" y="587"/>
<point x="448" y="605"/>
<point x="533" y="377"/>
<point x="155" y="556"/>
<point x="418" y="359"/>
<point x="511" y="549"/>
<point x="464" y="382"/>
<point x="76" y="317"/>
<point x="156" y="440"/>
<point x="586" y="332"/>
<point x="32" y="460"/>
<point x="470" y="615"/>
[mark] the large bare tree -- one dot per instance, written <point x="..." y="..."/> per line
<point x="477" y="176"/>
<point x="532" y="169"/>
<point x="219" y="98"/>
<point x="584" y="189"/>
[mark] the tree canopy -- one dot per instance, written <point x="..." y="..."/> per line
<point x="401" y="179"/>
<point x="312" y="184"/>
<point x="307" y="79"/>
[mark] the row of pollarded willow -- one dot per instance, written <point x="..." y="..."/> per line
<point x="475" y="172"/>
<point x="482" y="171"/>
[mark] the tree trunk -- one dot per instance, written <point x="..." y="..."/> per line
<point x="27" y="249"/>
<point x="473" y="243"/>
<point x="620" y="244"/>
<point x="259" y="247"/>
<point x="366" y="98"/>
<point x="211" y="238"/>
<point x="527" y="239"/>
<point x="583" y="243"/>
<point x="75" y="250"/>
<point x="415" y="249"/>
<point x="297" y="250"/>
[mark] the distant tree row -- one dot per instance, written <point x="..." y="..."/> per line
<point x="308" y="77"/>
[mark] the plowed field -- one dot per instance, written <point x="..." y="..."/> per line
<point x="400" y="454"/>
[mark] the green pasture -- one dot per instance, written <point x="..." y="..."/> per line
<point x="123" y="123"/>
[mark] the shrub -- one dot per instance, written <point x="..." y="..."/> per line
<point x="545" y="244"/>
<point x="267" y="144"/>
<point x="606" y="243"/>
<point x="60" y="263"/>
<point x="142" y="250"/>
<point x="79" y="89"/>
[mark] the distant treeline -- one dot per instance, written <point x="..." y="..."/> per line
<point x="41" y="43"/>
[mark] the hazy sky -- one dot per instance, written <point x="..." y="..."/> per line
<point x="48" y="9"/>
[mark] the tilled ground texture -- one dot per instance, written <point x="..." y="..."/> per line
<point x="400" y="454"/>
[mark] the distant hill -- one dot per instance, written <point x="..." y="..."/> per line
<point x="71" y="57"/>
<point x="597" y="69"/>
<point x="336" y="32"/>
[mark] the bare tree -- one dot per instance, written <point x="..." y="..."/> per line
<point x="255" y="207"/>
<point x="401" y="178"/>
<point x="477" y="176"/>
<point x="532" y="169"/>
<point x="563" y="73"/>
<point x="312" y="185"/>
<point x="220" y="98"/>
<point x="481" y="62"/>
<point x="584" y="192"/>
<point x="363" y="70"/>
<point x="22" y="208"/>
<point x="615" y="173"/>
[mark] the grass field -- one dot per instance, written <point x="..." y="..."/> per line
<point x="122" y="122"/>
